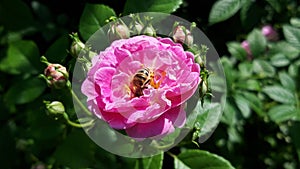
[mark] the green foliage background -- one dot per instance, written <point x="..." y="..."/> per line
<point x="260" y="123"/>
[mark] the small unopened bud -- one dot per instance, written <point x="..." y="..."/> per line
<point x="269" y="32"/>
<point x="246" y="46"/>
<point x="76" y="45"/>
<point x="56" y="75"/>
<point x="182" y="35"/>
<point x="55" y="108"/>
<point x="118" y="31"/>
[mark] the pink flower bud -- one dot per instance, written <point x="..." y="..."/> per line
<point x="182" y="35"/>
<point x="246" y="46"/>
<point x="269" y="32"/>
<point x="118" y="31"/>
<point x="57" y="75"/>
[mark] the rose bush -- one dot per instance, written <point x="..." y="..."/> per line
<point x="161" y="108"/>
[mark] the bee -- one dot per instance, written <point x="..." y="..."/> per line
<point x="141" y="79"/>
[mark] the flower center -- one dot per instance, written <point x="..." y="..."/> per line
<point x="142" y="79"/>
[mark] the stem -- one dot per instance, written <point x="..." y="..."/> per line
<point x="82" y="125"/>
<point x="79" y="102"/>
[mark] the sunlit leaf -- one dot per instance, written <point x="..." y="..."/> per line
<point x="281" y="113"/>
<point x="165" y="6"/>
<point x="243" y="105"/>
<point x="280" y="94"/>
<point x="22" y="57"/>
<point x="287" y="81"/>
<point x="236" y="50"/>
<point x="94" y="16"/>
<point x="263" y="68"/>
<point x="292" y="35"/>
<point x="223" y="9"/>
<point x="257" y="42"/>
<point x="203" y="159"/>
<point x="279" y="60"/>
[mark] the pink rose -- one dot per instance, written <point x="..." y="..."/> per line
<point x="160" y="107"/>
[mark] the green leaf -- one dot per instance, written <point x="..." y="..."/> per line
<point x="250" y="14"/>
<point x="152" y="162"/>
<point x="230" y="114"/>
<point x="22" y="57"/>
<point x="280" y="94"/>
<point x="287" y="81"/>
<point x="257" y="42"/>
<point x="254" y="102"/>
<point x="249" y="84"/>
<point x="275" y="4"/>
<point x="165" y="6"/>
<point x="223" y="9"/>
<point x="245" y="69"/>
<point x="15" y="15"/>
<point x="281" y="113"/>
<point x="279" y="60"/>
<point x="295" y="22"/>
<point x="203" y="159"/>
<point x="25" y="91"/>
<point x="93" y="18"/>
<point x="78" y="146"/>
<point x="285" y="48"/>
<point x="57" y="52"/>
<point x="236" y="50"/>
<point x="292" y="35"/>
<point x="263" y="68"/>
<point x="243" y="105"/>
<point x="208" y="120"/>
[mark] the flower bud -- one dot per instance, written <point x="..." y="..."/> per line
<point x="118" y="31"/>
<point x="76" y="46"/>
<point x="55" y="108"/>
<point x="246" y="46"/>
<point x="269" y="32"/>
<point x="182" y="35"/>
<point x="56" y="75"/>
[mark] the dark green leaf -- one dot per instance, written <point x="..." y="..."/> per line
<point x="57" y="52"/>
<point x="15" y="15"/>
<point x="75" y="151"/>
<point x="22" y="57"/>
<point x="287" y="81"/>
<point x="292" y="35"/>
<point x="202" y="159"/>
<point x="275" y="4"/>
<point x="257" y="42"/>
<point x="236" y="50"/>
<point x="93" y="18"/>
<point x="263" y="68"/>
<point x="281" y="113"/>
<point x="243" y="105"/>
<point x="250" y="14"/>
<point x="223" y="9"/>
<point x="165" y="6"/>
<point x="25" y="91"/>
<point x="279" y="60"/>
<point x="280" y="94"/>
<point x="294" y="69"/>
<point x="7" y="146"/>
<point x="294" y="133"/>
